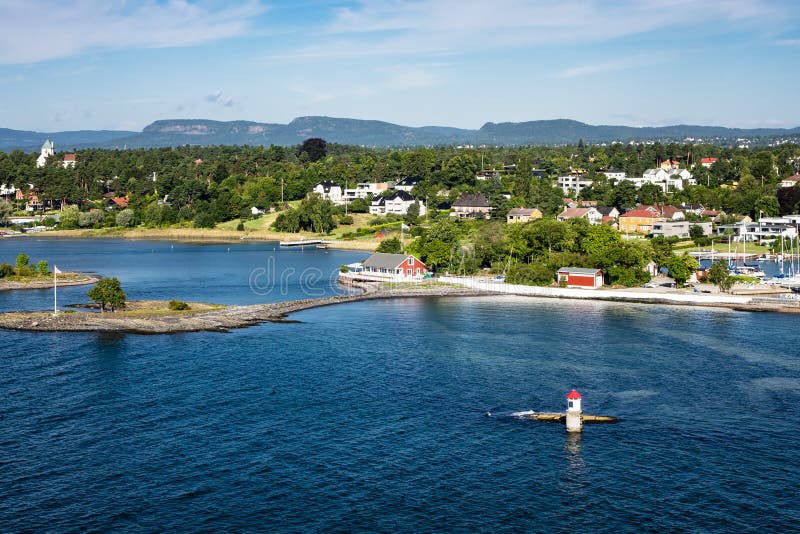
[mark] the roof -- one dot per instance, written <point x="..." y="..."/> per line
<point x="523" y="211"/>
<point x="574" y="213"/>
<point x="122" y="202"/>
<point x="409" y="180"/>
<point x="402" y="195"/>
<point x="47" y="144"/>
<point x="639" y="212"/>
<point x="70" y="157"/>
<point x="383" y="260"/>
<point x="573" y="395"/>
<point x="795" y="178"/>
<point x="670" y="211"/>
<point x="326" y="186"/>
<point x="579" y="270"/>
<point x="605" y="210"/>
<point x="708" y="160"/>
<point x="468" y="199"/>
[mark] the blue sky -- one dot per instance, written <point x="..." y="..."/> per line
<point x="121" y="64"/>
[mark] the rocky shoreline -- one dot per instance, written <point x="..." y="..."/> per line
<point x="47" y="283"/>
<point x="219" y="319"/>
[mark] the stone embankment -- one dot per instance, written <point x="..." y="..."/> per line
<point x="219" y="319"/>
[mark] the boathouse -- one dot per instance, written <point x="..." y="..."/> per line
<point x="580" y="277"/>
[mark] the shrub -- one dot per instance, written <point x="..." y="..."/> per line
<point x="41" y="267"/>
<point x="240" y="227"/>
<point x="345" y="219"/>
<point x="178" y="305"/>
<point x="204" y="220"/>
<point x="125" y="218"/>
<point x="6" y="270"/>
<point x="344" y="269"/>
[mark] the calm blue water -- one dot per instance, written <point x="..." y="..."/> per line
<point x="372" y="416"/>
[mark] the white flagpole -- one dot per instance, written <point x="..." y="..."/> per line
<point x="55" y="286"/>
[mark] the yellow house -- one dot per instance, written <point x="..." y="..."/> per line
<point x="638" y="221"/>
<point x="523" y="215"/>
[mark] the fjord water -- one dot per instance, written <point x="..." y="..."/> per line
<point x="372" y="416"/>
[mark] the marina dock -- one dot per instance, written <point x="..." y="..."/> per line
<point x="305" y="242"/>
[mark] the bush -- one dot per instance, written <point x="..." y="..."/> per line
<point x="69" y="218"/>
<point x="41" y="267"/>
<point x="178" y="305"/>
<point x="90" y="218"/>
<point x="204" y="220"/>
<point x="344" y="269"/>
<point x="6" y="270"/>
<point x="240" y="227"/>
<point x="48" y="222"/>
<point x="125" y="218"/>
<point x="345" y="219"/>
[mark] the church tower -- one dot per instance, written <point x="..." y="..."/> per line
<point x="48" y="149"/>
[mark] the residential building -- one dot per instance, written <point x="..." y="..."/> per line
<point x="394" y="267"/>
<point x="765" y="229"/>
<point x="523" y="215"/>
<point x="638" y="221"/>
<point x="69" y="160"/>
<point x="365" y="190"/>
<point x="407" y="183"/>
<point x="8" y="190"/>
<point x="608" y="211"/>
<point x="791" y="181"/>
<point x="708" y="162"/>
<point x="678" y="228"/>
<point x="329" y="191"/>
<point x="594" y="216"/>
<point x="573" y="183"/>
<point x="614" y="174"/>
<point x="579" y="277"/>
<point x="487" y="175"/>
<point x="48" y="149"/>
<point x="397" y="203"/>
<point x="470" y="206"/>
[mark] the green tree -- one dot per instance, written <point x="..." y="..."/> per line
<point x="412" y="214"/>
<point x="391" y="246"/>
<point x="313" y="149"/>
<point x="22" y="261"/>
<point x="41" y="267"/>
<point x="681" y="268"/>
<point x="720" y="275"/>
<point x="696" y="232"/>
<point x="6" y="210"/>
<point x="108" y="292"/>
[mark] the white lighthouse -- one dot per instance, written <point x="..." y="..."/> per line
<point x="574" y="417"/>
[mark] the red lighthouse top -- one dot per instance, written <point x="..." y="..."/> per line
<point x="573" y="395"/>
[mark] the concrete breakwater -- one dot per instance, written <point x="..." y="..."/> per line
<point x="219" y="319"/>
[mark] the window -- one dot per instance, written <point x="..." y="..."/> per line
<point x="411" y="261"/>
<point x="569" y="404"/>
<point x="408" y="272"/>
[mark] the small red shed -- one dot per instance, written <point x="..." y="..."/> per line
<point x="580" y="277"/>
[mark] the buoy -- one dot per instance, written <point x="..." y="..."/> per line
<point x="574" y="412"/>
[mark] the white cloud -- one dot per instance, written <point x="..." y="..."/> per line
<point x="448" y="27"/>
<point x="222" y="99"/>
<point x="608" y="66"/>
<point x="31" y="32"/>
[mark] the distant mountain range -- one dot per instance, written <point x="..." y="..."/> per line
<point x="164" y="133"/>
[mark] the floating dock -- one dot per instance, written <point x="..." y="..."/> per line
<point x="320" y="243"/>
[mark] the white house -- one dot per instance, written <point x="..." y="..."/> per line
<point x="572" y="182"/>
<point x="668" y="179"/>
<point x="398" y="203"/>
<point x="69" y="160"/>
<point x="329" y="191"/>
<point x="407" y="184"/>
<point x="365" y="190"/>
<point x="7" y="190"/>
<point x="791" y="181"/>
<point x="48" y="149"/>
<point x="591" y="214"/>
<point x="614" y="174"/>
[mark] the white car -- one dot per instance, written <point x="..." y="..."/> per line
<point x="650" y="285"/>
